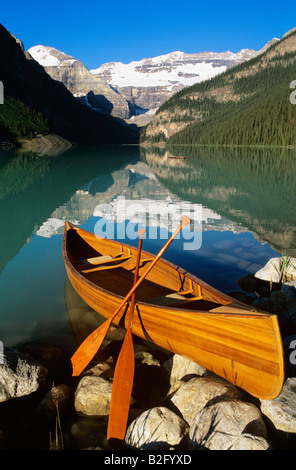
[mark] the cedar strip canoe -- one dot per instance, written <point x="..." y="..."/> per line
<point x="178" y="312"/>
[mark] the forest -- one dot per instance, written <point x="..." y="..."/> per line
<point x="257" y="110"/>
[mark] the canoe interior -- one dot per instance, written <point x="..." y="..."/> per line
<point x="163" y="280"/>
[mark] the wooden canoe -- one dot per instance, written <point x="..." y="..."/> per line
<point x="178" y="312"/>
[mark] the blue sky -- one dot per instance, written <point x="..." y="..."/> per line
<point x="102" y="31"/>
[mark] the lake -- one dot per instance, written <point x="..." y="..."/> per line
<point x="242" y="203"/>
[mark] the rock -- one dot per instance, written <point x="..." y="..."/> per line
<point x="281" y="410"/>
<point x="20" y="375"/>
<point x="180" y="368"/>
<point x="44" y="354"/>
<point x="102" y="369"/>
<point x="248" y="283"/>
<point x="290" y="313"/>
<point x="145" y="357"/>
<point x="88" y="432"/>
<point x="289" y="290"/>
<point x="242" y="297"/>
<point x="51" y="145"/>
<point x="159" y="427"/>
<point x="150" y="385"/>
<point x="199" y="392"/>
<point x="250" y="442"/>
<point x="282" y="302"/>
<point x="93" y="396"/>
<point x="272" y="271"/>
<point x="221" y="425"/>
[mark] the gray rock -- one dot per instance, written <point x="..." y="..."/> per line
<point x="180" y="368"/>
<point x="281" y="410"/>
<point x="221" y="425"/>
<point x="250" y="442"/>
<point x="20" y="375"/>
<point x="272" y="271"/>
<point x="159" y="427"/>
<point x="89" y="432"/>
<point x="198" y="392"/>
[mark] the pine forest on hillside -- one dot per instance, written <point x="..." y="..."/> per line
<point x="246" y="105"/>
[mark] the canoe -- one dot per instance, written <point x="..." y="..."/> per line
<point x="178" y="312"/>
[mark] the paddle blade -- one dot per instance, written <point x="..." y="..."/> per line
<point x="122" y="390"/>
<point x="185" y="220"/>
<point x="89" y="347"/>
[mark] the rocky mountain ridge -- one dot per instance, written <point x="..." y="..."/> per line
<point x="149" y="82"/>
<point x="137" y="89"/>
<point x="89" y="89"/>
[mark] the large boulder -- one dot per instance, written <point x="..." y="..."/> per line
<point x="20" y="375"/>
<point x="198" y="392"/>
<point x="156" y="428"/>
<point x="281" y="410"/>
<point x="226" y="425"/>
<point x="278" y="270"/>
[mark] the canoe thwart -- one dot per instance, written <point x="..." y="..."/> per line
<point x="126" y="260"/>
<point x="173" y="299"/>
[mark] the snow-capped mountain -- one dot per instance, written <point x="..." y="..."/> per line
<point x="140" y="87"/>
<point x="86" y="87"/>
<point x="149" y="82"/>
<point x="170" y="70"/>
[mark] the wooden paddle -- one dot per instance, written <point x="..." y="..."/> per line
<point x="92" y="343"/>
<point x="124" y="372"/>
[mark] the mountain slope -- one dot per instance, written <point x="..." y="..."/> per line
<point x="246" y="105"/>
<point x="149" y="82"/>
<point x="80" y="82"/>
<point x="31" y="92"/>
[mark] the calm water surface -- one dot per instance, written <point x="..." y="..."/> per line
<point x="246" y="199"/>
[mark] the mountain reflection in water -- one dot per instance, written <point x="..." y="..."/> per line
<point x="247" y="217"/>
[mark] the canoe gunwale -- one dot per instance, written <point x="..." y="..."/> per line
<point x="269" y="382"/>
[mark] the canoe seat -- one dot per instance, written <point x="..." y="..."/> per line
<point x="95" y="260"/>
<point x="166" y="300"/>
<point x="175" y="298"/>
<point x="107" y="264"/>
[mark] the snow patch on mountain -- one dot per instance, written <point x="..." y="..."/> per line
<point x="50" y="57"/>
<point x="170" y="70"/>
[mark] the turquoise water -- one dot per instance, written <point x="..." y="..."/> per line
<point x="246" y="203"/>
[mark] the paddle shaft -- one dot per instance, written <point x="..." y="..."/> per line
<point x="124" y="372"/>
<point x="141" y="232"/>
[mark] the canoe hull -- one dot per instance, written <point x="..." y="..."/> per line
<point x="238" y="344"/>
